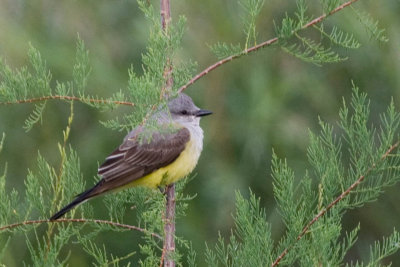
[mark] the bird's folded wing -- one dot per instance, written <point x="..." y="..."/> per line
<point x="133" y="159"/>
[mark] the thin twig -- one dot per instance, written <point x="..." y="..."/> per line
<point x="259" y="46"/>
<point x="64" y="97"/>
<point x="121" y="225"/>
<point x="332" y="204"/>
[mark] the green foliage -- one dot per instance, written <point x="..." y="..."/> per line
<point x="307" y="49"/>
<point x="310" y="51"/>
<point x="339" y="37"/>
<point x="329" y="5"/>
<point x="8" y="200"/>
<point x="100" y="254"/>
<point x="7" y="204"/>
<point x="387" y="247"/>
<point x="288" y="27"/>
<point x="32" y="83"/>
<point x="290" y="40"/>
<point x="149" y="206"/>
<point x="223" y="50"/>
<point x="191" y="257"/>
<point x="23" y="84"/>
<point x="371" y="26"/>
<point x="323" y="242"/>
<point x="81" y="69"/>
<point x="4" y="248"/>
<point x="26" y="82"/>
<point x="45" y="252"/>
<point x="35" y="117"/>
<point x="251" y="10"/>
<point x="380" y="251"/>
<point x="46" y="188"/>
<point x="301" y="12"/>
<point x="314" y="51"/>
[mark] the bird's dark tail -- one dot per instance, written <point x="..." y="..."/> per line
<point x="82" y="197"/>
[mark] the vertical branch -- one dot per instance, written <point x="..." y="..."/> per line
<point x="169" y="225"/>
<point x="165" y="14"/>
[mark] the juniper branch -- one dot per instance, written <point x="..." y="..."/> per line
<point x="261" y="45"/>
<point x="115" y="224"/>
<point x="65" y="97"/>
<point x="333" y="203"/>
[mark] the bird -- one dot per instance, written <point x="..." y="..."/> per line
<point x="153" y="155"/>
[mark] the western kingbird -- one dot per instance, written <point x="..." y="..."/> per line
<point x="152" y="158"/>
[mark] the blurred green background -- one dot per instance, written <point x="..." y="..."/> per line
<point x="265" y="101"/>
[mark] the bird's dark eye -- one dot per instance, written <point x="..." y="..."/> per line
<point x="184" y="112"/>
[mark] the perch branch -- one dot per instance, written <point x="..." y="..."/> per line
<point x="169" y="220"/>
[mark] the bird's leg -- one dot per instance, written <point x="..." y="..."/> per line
<point x="163" y="184"/>
<point x="162" y="189"/>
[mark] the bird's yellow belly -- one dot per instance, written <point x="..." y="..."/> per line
<point x="182" y="166"/>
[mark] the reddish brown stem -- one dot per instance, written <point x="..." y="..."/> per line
<point x="121" y="225"/>
<point x="169" y="226"/>
<point x="259" y="46"/>
<point x="165" y="11"/>
<point x="332" y="204"/>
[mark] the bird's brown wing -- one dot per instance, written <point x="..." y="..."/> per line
<point x="134" y="159"/>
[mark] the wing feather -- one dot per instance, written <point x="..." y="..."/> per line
<point x="133" y="160"/>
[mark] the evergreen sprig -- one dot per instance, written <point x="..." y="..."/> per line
<point x="371" y="26"/>
<point x="329" y="5"/>
<point x="31" y="83"/>
<point x="339" y="38"/>
<point x="223" y="50"/>
<point x="252" y="9"/>
<point x="35" y="117"/>
<point x="311" y="51"/>
<point x="100" y="254"/>
<point x="25" y="83"/>
<point x="8" y="200"/>
<point x="41" y="188"/>
<point x="307" y="49"/>
<point x="289" y="38"/>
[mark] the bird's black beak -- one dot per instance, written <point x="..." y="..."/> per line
<point x="202" y="112"/>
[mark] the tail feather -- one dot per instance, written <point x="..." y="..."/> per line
<point x="82" y="197"/>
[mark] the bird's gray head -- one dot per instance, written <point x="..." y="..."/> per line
<point x="183" y="109"/>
